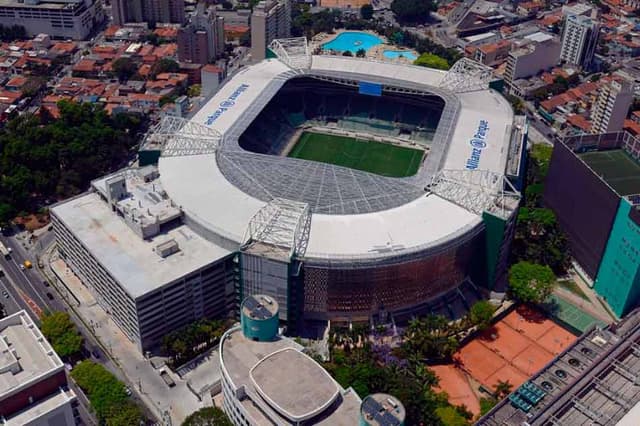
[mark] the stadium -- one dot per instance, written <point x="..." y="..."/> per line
<point x="351" y="190"/>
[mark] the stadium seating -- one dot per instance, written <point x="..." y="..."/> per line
<point x="309" y="101"/>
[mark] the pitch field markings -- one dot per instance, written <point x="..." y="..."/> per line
<point x="617" y="168"/>
<point x="369" y="156"/>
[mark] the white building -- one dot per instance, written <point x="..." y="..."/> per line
<point x="73" y="19"/>
<point x="152" y="273"/>
<point x="33" y="382"/>
<point x="611" y="107"/>
<point x="579" y="40"/>
<point x="534" y="53"/>
<point x="270" y="19"/>
<point x="268" y="379"/>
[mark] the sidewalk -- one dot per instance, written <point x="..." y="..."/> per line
<point x="172" y="405"/>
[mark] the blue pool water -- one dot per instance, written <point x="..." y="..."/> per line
<point x="395" y="54"/>
<point x="352" y="41"/>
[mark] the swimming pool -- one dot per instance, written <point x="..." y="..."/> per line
<point x="395" y="54"/>
<point x="352" y="41"/>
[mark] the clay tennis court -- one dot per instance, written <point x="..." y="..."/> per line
<point x="513" y="349"/>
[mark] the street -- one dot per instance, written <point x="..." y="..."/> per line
<point x="28" y="289"/>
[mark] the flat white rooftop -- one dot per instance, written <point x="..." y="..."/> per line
<point x="285" y="386"/>
<point x="131" y="260"/>
<point x="25" y="355"/>
<point x="197" y="185"/>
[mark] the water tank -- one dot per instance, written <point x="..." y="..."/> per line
<point x="259" y="318"/>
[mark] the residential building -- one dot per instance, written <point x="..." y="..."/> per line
<point x="33" y="382"/>
<point x="534" y="53"/>
<point x="211" y="76"/>
<point x="149" y="11"/>
<point x="579" y="40"/>
<point x="73" y="19"/>
<point x="583" y="9"/>
<point x="202" y="39"/>
<point x="611" y="107"/>
<point x="271" y="19"/>
<point x="493" y="53"/>
<point x="126" y="241"/>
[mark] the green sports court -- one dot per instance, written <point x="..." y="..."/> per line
<point x="376" y="157"/>
<point x="617" y="168"/>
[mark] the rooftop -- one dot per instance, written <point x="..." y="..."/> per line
<point x="295" y="398"/>
<point x="139" y="265"/>
<point x="259" y="307"/>
<point x="381" y="409"/>
<point x="617" y="168"/>
<point x="25" y="355"/>
<point x="278" y="395"/>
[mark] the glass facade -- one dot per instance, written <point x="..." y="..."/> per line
<point x="355" y="293"/>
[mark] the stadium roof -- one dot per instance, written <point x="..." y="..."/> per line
<point x="355" y="214"/>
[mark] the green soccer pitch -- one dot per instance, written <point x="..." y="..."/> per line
<point x="375" y="157"/>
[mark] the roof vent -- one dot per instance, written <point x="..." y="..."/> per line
<point x="167" y="248"/>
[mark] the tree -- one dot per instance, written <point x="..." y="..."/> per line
<point x="412" y="11"/>
<point x="502" y="389"/>
<point x="530" y="282"/>
<point x="486" y="404"/>
<point x="430" y="60"/>
<point x="194" y="90"/>
<point x="61" y="333"/>
<point x="227" y="5"/>
<point x="106" y="394"/>
<point x="124" y="68"/>
<point x="366" y="11"/>
<point x="449" y="416"/>
<point x="208" y="416"/>
<point x="3" y="312"/>
<point x="164" y="65"/>
<point x="347" y="53"/>
<point x="481" y="313"/>
<point x="125" y="414"/>
<point x="361" y="53"/>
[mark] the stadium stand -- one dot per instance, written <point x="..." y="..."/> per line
<point x="308" y="101"/>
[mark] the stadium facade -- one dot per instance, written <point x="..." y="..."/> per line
<point x="337" y="243"/>
<point x="593" y="186"/>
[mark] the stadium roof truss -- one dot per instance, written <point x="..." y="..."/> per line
<point x="282" y="224"/>
<point x="467" y="75"/>
<point x="179" y="137"/>
<point x="478" y="191"/>
<point x="292" y="51"/>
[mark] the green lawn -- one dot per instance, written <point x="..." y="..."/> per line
<point x="375" y="157"/>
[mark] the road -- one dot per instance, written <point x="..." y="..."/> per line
<point x="31" y="283"/>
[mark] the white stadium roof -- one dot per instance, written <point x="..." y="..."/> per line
<point x="414" y="220"/>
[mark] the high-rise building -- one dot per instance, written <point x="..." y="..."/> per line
<point x="534" y="53"/>
<point x="58" y="18"/>
<point x="579" y="40"/>
<point x="150" y="11"/>
<point x="270" y="19"/>
<point x="33" y="382"/>
<point x="611" y="107"/>
<point x="202" y="39"/>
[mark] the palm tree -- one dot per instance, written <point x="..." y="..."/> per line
<point x="502" y="389"/>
